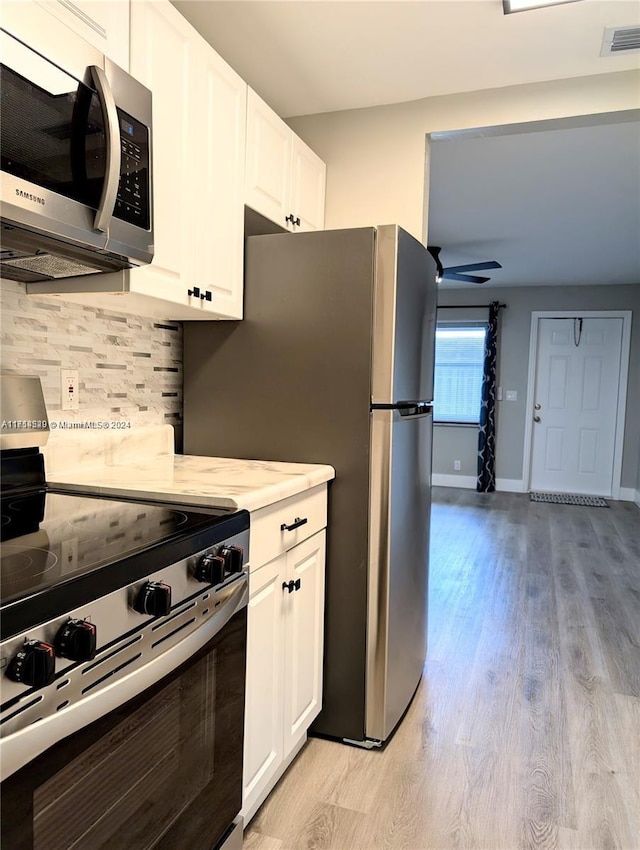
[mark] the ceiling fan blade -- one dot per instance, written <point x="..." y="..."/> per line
<point x="474" y="267"/>
<point x="468" y="278"/>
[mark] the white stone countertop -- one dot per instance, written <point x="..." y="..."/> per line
<point x="197" y="481"/>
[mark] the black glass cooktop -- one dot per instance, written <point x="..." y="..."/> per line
<point x="51" y="538"/>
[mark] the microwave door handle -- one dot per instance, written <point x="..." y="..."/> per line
<point x="112" y="133"/>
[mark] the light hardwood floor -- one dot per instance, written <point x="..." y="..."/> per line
<point x="525" y="730"/>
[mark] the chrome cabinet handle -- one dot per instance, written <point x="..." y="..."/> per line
<point x="537" y="419"/>
<point x="295" y="524"/>
<point x="109" y="194"/>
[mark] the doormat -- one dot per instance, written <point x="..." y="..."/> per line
<point x="568" y="499"/>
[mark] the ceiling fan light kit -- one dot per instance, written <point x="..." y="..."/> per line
<point x="459" y="273"/>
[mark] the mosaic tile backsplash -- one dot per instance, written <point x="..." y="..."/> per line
<point x="129" y="368"/>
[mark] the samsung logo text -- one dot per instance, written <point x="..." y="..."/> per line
<point x="29" y="197"/>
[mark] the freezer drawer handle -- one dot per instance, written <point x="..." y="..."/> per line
<point x="295" y="524"/>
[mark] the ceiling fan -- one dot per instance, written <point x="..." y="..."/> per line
<point x="459" y="272"/>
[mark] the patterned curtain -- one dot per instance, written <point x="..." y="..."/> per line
<point x="487" y="434"/>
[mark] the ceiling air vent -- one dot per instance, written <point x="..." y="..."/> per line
<point x="620" y="40"/>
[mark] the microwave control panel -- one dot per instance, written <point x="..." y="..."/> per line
<point x="132" y="203"/>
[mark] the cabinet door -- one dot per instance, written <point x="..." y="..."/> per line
<point x="268" y="161"/>
<point x="162" y="59"/>
<point x="218" y="130"/>
<point x="103" y="23"/>
<point x="263" y="709"/>
<point x="304" y="638"/>
<point x="33" y="24"/>
<point x="308" y="180"/>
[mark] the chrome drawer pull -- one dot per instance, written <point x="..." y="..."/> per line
<point x="295" y="524"/>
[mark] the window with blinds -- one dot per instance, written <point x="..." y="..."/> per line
<point x="458" y="373"/>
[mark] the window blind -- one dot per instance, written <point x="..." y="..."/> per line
<point x="458" y="372"/>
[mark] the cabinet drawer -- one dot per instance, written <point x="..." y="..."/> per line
<point x="268" y="538"/>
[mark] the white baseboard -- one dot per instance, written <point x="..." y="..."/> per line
<point x="628" y="494"/>
<point x="511" y="485"/>
<point x="468" y="482"/>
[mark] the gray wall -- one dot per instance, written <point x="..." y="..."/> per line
<point x="452" y="442"/>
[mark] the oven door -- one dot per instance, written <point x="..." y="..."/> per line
<point x="76" y="164"/>
<point x="163" y="770"/>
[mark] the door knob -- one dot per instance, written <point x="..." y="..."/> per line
<point x="537" y="406"/>
<point x="537" y="419"/>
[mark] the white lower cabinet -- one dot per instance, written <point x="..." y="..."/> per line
<point x="284" y="664"/>
<point x="304" y="632"/>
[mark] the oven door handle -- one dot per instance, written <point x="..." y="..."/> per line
<point x="112" y="137"/>
<point x="21" y="747"/>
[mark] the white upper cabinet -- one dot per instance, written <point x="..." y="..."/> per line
<point x="308" y="180"/>
<point x="103" y="23"/>
<point x="32" y="22"/>
<point x="198" y="144"/>
<point x="284" y="179"/>
<point x="162" y="59"/>
<point x="268" y="161"/>
<point x="216" y="184"/>
<point x="198" y="167"/>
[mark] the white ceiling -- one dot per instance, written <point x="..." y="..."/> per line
<point x="555" y="204"/>
<point x="310" y="56"/>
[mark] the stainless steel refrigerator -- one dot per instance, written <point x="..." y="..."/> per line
<point x="333" y="363"/>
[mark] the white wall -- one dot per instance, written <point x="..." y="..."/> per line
<point x="377" y="158"/>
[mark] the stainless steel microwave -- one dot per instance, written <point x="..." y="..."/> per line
<point x="76" y="193"/>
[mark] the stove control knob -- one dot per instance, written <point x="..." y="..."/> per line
<point x="233" y="556"/>
<point x="210" y="569"/>
<point x="153" y="598"/>
<point x="76" y="639"/>
<point x="34" y="664"/>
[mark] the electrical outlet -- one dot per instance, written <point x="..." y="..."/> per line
<point x="69" y="554"/>
<point x="456" y="465"/>
<point x="69" y="389"/>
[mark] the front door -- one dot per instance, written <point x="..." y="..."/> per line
<point x="575" y="405"/>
